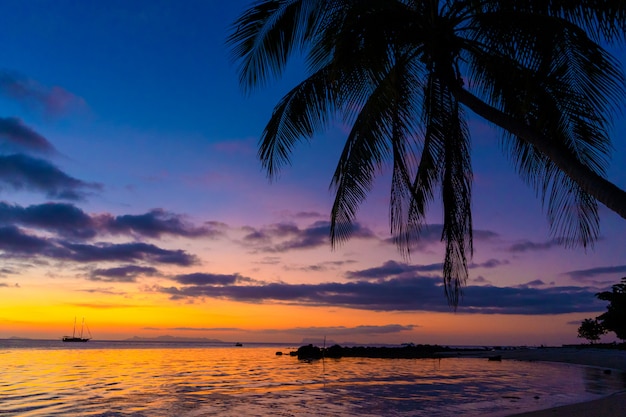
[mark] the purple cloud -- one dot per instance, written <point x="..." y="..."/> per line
<point x="402" y="294"/>
<point x="431" y="234"/>
<point x="24" y="172"/>
<point x="61" y="218"/>
<point x="13" y="131"/>
<point x="282" y="237"/>
<point x="127" y="273"/>
<point x="391" y="269"/>
<point x="528" y="246"/>
<point x="584" y="275"/>
<point x="16" y="243"/>
<point x="52" y="101"/>
<point x="155" y="223"/>
<point x="349" y="331"/>
<point x="67" y="220"/>
<point x="207" y="279"/>
<point x="135" y="251"/>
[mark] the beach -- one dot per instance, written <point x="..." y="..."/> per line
<point x="611" y="406"/>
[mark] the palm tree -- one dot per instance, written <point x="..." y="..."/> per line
<point x="403" y="73"/>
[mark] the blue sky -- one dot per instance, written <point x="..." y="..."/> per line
<point x="139" y="185"/>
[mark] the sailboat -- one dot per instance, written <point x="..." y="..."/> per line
<point x="74" y="338"/>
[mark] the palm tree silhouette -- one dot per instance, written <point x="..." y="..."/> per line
<point x="402" y="73"/>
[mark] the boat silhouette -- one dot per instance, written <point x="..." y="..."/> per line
<point x="73" y="337"/>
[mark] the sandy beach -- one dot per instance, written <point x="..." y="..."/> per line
<point x="611" y="406"/>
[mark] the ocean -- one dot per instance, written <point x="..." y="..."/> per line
<point x="98" y="378"/>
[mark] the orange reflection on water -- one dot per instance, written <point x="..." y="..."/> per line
<point x="84" y="379"/>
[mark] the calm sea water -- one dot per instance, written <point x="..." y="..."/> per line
<point x="50" y="378"/>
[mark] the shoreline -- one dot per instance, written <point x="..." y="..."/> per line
<point x="613" y="405"/>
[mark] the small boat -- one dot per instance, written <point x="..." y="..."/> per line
<point x="73" y="337"/>
<point x="238" y="344"/>
<point x="495" y="358"/>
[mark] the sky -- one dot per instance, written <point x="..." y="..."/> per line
<point x="131" y="195"/>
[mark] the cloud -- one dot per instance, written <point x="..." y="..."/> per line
<point x="24" y="172"/>
<point x="392" y="268"/>
<point x="103" y="306"/>
<point x="431" y="234"/>
<point x="587" y="274"/>
<point x="135" y="251"/>
<point x="15" y="242"/>
<point x="52" y="101"/>
<point x="480" y="280"/>
<point x="127" y="273"/>
<point x="207" y="279"/>
<point x="532" y="284"/>
<point x="195" y="329"/>
<point x="401" y="294"/>
<point x="13" y="131"/>
<point x="528" y="246"/>
<point x="282" y="237"/>
<point x="108" y="291"/>
<point x="347" y="331"/>
<point x="491" y="263"/>
<point x="155" y="223"/>
<point x="61" y="218"/>
<point x="67" y="220"/>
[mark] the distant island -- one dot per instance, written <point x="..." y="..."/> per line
<point x="173" y="339"/>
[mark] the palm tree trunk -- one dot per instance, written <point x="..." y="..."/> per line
<point x="598" y="187"/>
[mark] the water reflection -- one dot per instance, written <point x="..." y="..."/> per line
<point x="256" y="382"/>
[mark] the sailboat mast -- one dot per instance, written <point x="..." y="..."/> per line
<point x="74" y="331"/>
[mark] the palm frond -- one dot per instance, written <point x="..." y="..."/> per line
<point x="447" y="127"/>
<point x="266" y="34"/>
<point x="301" y="112"/>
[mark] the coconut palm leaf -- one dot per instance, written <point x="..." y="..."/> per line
<point x="401" y="72"/>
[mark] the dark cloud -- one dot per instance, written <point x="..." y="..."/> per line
<point x="392" y="268"/>
<point x="52" y="101"/>
<point x="207" y="279"/>
<point x="4" y="271"/>
<point x="491" y="263"/>
<point x="15" y="242"/>
<point x="108" y="291"/>
<point x="403" y="294"/>
<point x="67" y="220"/>
<point x="16" y="133"/>
<point x="22" y="172"/>
<point x="155" y="223"/>
<point x="587" y="274"/>
<point x="60" y="218"/>
<point x="348" y="331"/>
<point x="309" y="215"/>
<point x="480" y="280"/>
<point x="532" y="284"/>
<point x="103" y="306"/>
<point x="205" y="329"/>
<point x="431" y="234"/>
<point x="282" y="237"/>
<point x="127" y="273"/>
<point x="528" y="246"/>
<point x="125" y="252"/>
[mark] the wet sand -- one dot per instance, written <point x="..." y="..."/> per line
<point x="611" y="406"/>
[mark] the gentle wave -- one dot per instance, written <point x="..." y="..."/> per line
<point x="85" y="380"/>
